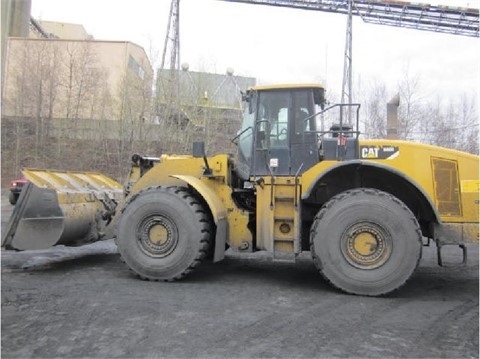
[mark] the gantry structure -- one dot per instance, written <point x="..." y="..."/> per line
<point x="437" y="18"/>
<point x="462" y="21"/>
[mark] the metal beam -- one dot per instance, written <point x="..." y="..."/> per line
<point x="442" y="19"/>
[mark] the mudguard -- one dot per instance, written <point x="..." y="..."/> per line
<point x="219" y="212"/>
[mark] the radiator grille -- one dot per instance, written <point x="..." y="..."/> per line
<point x="447" y="190"/>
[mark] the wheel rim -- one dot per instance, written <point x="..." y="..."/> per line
<point x="366" y="245"/>
<point x="157" y="236"/>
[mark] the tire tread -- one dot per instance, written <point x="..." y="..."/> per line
<point x="351" y="193"/>
<point x="203" y="218"/>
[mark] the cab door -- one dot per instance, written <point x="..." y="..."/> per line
<point x="272" y="140"/>
<point x="303" y="138"/>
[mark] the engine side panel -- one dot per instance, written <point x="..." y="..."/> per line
<point x="440" y="186"/>
<point x="451" y="178"/>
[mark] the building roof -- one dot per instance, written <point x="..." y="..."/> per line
<point x="66" y="31"/>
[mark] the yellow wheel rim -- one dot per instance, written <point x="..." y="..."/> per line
<point x="158" y="234"/>
<point x="366" y="245"/>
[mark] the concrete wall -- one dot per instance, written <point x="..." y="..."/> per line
<point x="66" y="31"/>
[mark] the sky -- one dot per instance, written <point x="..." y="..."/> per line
<point x="281" y="45"/>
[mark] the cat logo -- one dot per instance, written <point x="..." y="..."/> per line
<point x="379" y="152"/>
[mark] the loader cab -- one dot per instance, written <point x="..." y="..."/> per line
<point x="282" y="130"/>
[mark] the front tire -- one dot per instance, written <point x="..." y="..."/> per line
<point x="164" y="233"/>
<point x="366" y="242"/>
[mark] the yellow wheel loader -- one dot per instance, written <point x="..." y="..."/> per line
<point x="303" y="180"/>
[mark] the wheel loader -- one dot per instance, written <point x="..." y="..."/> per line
<point x="303" y="180"/>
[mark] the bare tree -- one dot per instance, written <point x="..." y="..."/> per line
<point x="45" y="82"/>
<point x="80" y="79"/>
<point x="451" y="123"/>
<point x="32" y="94"/>
<point x="135" y="93"/>
<point x="375" y="102"/>
<point x="468" y="123"/>
<point x="411" y="110"/>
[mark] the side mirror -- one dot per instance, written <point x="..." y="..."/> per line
<point x="198" y="149"/>
<point x="247" y="97"/>
<point x="319" y="97"/>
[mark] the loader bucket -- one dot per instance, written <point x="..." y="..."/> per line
<point x="69" y="208"/>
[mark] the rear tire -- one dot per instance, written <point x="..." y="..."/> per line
<point x="164" y="233"/>
<point x="366" y="242"/>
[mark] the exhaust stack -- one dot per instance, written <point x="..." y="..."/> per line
<point x="392" y="117"/>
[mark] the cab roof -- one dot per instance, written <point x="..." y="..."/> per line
<point x="285" y="87"/>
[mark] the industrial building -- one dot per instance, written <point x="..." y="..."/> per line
<point x="72" y="76"/>
<point x="55" y="71"/>
<point x="66" y="94"/>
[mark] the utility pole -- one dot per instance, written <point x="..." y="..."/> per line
<point x="347" y="65"/>
<point x="169" y="81"/>
<point x="172" y="39"/>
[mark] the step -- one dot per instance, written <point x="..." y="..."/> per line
<point x="284" y="257"/>
<point x="284" y="198"/>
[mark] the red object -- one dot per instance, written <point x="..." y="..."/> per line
<point x="342" y="140"/>
<point x="17" y="184"/>
<point x="15" y="189"/>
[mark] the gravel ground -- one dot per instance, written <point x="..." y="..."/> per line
<point x="84" y="303"/>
